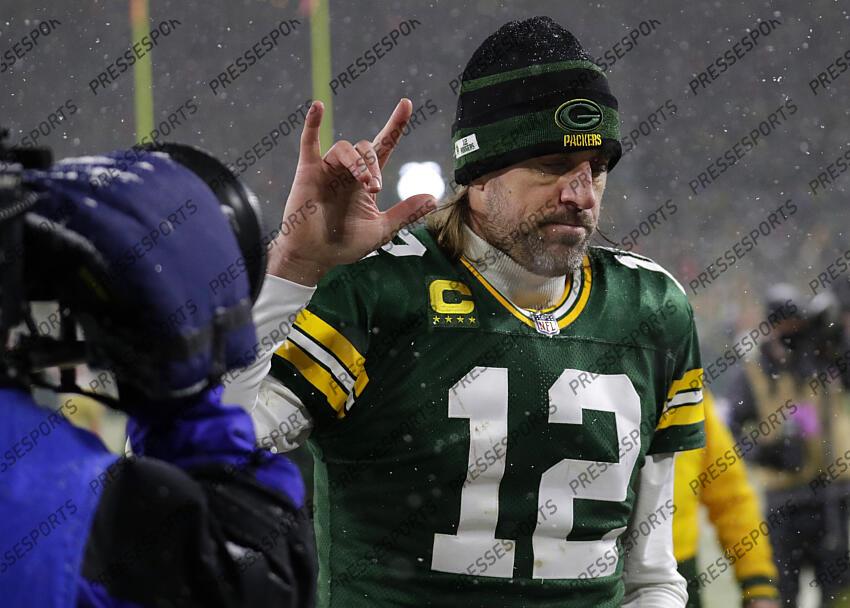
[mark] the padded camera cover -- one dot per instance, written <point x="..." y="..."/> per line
<point x="174" y="310"/>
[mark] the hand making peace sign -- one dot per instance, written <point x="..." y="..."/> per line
<point x="343" y="185"/>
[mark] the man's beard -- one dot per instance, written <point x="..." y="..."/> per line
<point x="530" y="252"/>
<point x="525" y="243"/>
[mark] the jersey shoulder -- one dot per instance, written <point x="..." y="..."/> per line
<point x="643" y="292"/>
<point x="391" y="268"/>
<point x="628" y="266"/>
<point x="652" y="304"/>
<point x="387" y="286"/>
<point x="349" y="324"/>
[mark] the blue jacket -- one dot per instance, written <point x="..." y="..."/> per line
<point x="72" y="528"/>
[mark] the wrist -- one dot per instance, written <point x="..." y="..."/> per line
<point x="294" y="267"/>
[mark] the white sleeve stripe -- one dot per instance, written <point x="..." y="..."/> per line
<point x="685" y="398"/>
<point x="337" y="370"/>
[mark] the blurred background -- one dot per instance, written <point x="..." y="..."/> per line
<point x="53" y="96"/>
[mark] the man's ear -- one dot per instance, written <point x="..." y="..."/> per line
<point x="475" y="192"/>
<point x="478" y="184"/>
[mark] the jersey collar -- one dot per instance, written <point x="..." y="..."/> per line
<point x="567" y="308"/>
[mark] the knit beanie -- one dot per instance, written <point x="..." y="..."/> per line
<point x="529" y="90"/>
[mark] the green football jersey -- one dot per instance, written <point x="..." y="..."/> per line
<point x="470" y="452"/>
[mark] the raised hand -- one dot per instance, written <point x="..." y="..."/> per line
<point x="334" y="201"/>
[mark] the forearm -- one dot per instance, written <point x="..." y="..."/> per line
<point x="650" y="575"/>
<point x="274" y="313"/>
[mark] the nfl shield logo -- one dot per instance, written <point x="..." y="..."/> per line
<point x="546" y="324"/>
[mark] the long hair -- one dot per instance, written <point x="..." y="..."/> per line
<point x="448" y="221"/>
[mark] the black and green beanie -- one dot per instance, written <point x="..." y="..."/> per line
<point x="529" y="90"/>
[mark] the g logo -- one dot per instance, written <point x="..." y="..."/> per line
<point x="578" y="115"/>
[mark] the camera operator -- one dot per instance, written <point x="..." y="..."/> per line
<point x="798" y="429"/>
<point x="127" y="243"/>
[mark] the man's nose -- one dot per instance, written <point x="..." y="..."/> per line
<point x="577" y="187"/>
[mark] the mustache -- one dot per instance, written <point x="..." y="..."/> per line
<point x="579" y="218"/>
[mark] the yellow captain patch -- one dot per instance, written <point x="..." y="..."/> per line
<point x="451" y="304"/>
<point x="441" y="290"/>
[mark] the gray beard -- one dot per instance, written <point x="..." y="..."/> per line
<point x="525" y="245"/>
<point x="529" y="253"/>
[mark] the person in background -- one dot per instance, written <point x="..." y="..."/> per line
<point x="733" y="510"/>
<point x="795" y="419"/>
<point x="841" y="291"/>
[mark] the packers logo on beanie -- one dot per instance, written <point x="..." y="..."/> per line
<point x="529" y="90"/>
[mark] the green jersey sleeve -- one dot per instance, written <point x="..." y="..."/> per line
<point x="682" y="416"/>
<point x="323" y="360"/>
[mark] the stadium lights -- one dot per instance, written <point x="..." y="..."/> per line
<point x="421" y="178"/>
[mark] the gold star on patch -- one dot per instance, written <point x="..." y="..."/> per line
<point x="471" y="319"/>
<point x="459" y="320"/>
<point x="448" y="319"/>
<point x="436" y="319"/>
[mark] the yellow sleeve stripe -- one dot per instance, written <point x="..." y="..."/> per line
<point x="316" y="375"/>
<point x="692" y="380"/>
<point x="682" y="416"/>
<point x="335" y="343"/>
<point x="360" y="384"/>
<point x="757" y="591"/>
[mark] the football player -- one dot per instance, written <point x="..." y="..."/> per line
<point x="493" y="405"/>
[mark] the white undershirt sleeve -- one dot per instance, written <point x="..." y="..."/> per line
<point x="280" y="419"/>
<point x="649" y="572"/>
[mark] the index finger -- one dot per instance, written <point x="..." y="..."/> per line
<point x="387" y="139"/>
<point x="310" y="150"/>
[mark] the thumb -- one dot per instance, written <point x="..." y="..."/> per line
<point x="408" y="211"/>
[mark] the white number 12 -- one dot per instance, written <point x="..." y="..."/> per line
<point x="484" y="401"/>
